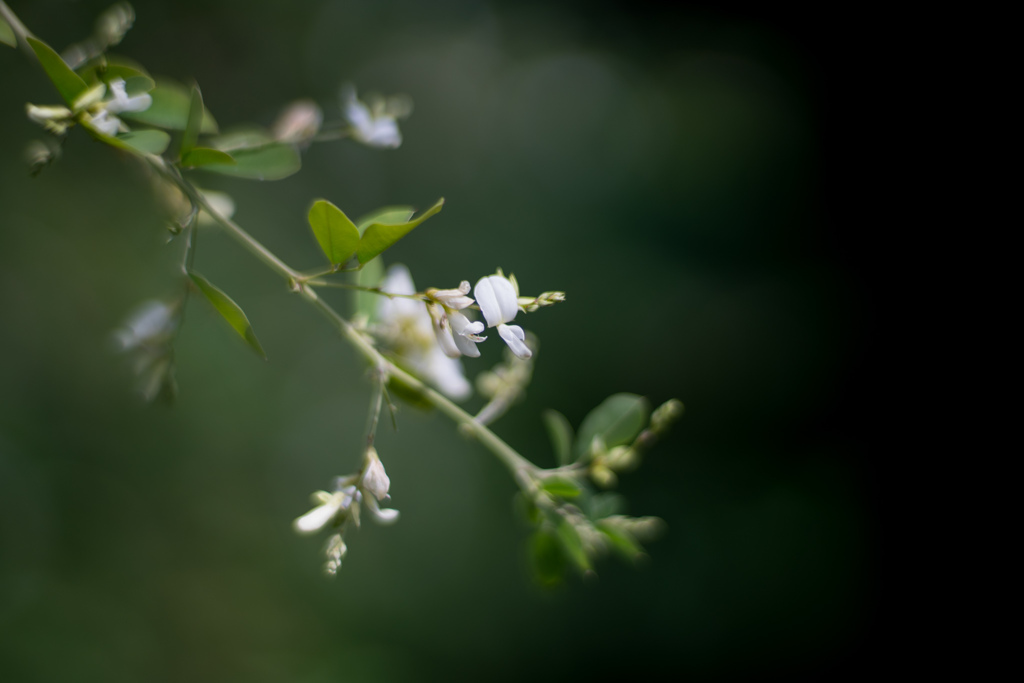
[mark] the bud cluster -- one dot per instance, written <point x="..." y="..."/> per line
<point x="605" y="463"/>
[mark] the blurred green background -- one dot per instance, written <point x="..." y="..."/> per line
<point x="665" y="168"/>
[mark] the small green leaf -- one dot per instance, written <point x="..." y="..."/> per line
<point x="69" y="84"/>
<point x="337" y="235"/>
<point x="246" y="137"/>
<point x="146" y="141"/>
<point x="560" y="487"/>
<point x="204" y="156"/>
<point x="388" y="214"/>
<point x="7" y="34"/>
<point x="380" y="236"/>
<point x="270" y="162"/>
<point x="190" y="136"/>
<point x="170" y="108"/>
<point x="547" y="558"/>
<point x="621" y="541"/>
<point x="605" y="504"/>
<point x="617" y="421"/>
<point x="573" y="545"/>
<point x="560" y="432"/>
<point x="230" y="310"/>
<point x="369" y="276"/>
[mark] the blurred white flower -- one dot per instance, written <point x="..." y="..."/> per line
<point x="498" y="300"/>
<point x="105" y="123"/>
<point x="299" y="122"/>
<point x="331" y="506"/>
<point x="375" y="480"/>
<point x="456" y="334"/>
<point x="407" y="327"/>
<point x="120" y="101"/>
<point x="150" y="325"/>
<point x="375" y="127"/>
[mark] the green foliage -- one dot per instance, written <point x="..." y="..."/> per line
<point x="572" y="544"/>
<point x="380" y="236"/>
<point x="69" y="84"/>
<point x="231" y="311"/>
<point x="268" y="162"/>
<point x="204" y="156"/>
<point x="547" y="557"/>
<point x="561" y="487"/>
<point x="107" y="68"/>
<point x="335" y="233"/>
<point x="144" y="141"/>
<point x="170" y="109"/>
<point x="387" y="214"/>
<point x="616" y="421"/>
<point x="7" y="34"/>
<point x="561" y="435"/>
<point x="194" y="122"/>
<point x="621" y="541"/>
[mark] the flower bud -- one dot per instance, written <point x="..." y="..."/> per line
<point x="375" y="479"/>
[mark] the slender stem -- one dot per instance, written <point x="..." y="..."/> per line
<point x="376" y="402"/>
<point x="362" y="288"/>
<point x="20" y="31"/>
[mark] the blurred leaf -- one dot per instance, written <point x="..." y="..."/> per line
<point x="7" y="34"/>
<point x="605" y="504"/>
<point x="621" y="541"/>
<point x="336" y="234"/>
<point x="69" y="84"/>
<point x="573" y="545"/>
<point x="106" y="69"/>
<point x="617" y="421"/>
<point x="560" y="432"/>
<point x="146" y="141"/>
<point x="247" y="137"/>
<point x="369" y="276"/>
<point x="380" y="236"/>
<point x="388" y="214"/>
<point x="170" y="108"/>
<point x="230" y="310"/>
<point x="526" y="507"/>
<point x="204" y="156"/>
<point x="270" y="162"/>
<point x="561" y="487"/>
<point x="547" y="558"/>
<point x="190" y="136"/>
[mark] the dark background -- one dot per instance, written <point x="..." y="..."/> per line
<point x="675" y="171"/>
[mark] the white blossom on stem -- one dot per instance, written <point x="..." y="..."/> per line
<point x="120" y="101"/>
<point x="331" y="506"/>
<point x="498" y="300"/>
<point x="375" y="128"/>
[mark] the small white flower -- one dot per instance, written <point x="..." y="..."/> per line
<point x="120" y="101"/>
<point x="152" y="323"/>
<point x="408" y="328"/>
<point x="498" y="300"/>
<point x="105" y="123"/>
<point x="380" y="515"/>
<point x="375" y="480"/>
<point x="456" y="334"/>
<point x="299" y="122"/>
<point x="331" y="505"/>
<point x="374" y="128"/>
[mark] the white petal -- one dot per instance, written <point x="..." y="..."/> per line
<point x="513" y="336"/>
<point x="497" y="299"/>
<point x="467" y="346"/>
<point x="320" y="516"/>
<point x="375" y="479"/>
<point x="381" y="515"/>
<point x="445" y="373"/>
<point x="443" y="330"/>
<point x="488" y="302"/>
<point x="462" y="325"/>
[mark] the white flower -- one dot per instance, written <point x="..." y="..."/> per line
<point x="150" y="324"/>
<point x="380" y="515"/>
<point x="120" y="101"/>
<point x="299" y="122"/>
<point x="375" y="128"/>
<point x="498" y="301"/>
<point x="375" y="480"/>
<point x="331" y="505"/>
<point x="105" y="123"/>
<point x="407" y="326"/>
<point x="456" y="334"/>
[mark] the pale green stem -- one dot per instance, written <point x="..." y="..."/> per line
<point x="20" y="32"/>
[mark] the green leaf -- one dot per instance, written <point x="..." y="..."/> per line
<point x="190" y="136"/>
<point x="204" y="156"/>
<point x="622" y="541"/>
<point x="617" y="421"/>
<point x="388" y="214"/>
<point x="380" y="236"/>
<point x="146" y="141"/>
<point x="560" y="487"/>
<point x="547" y="558"/>
<point x="270" y="162"/>
<point x="108" y="68"/>
<point x="369" y="276"/>
<point x="605" y="504"/>
<point x="170" y="109"/>
<point x="337" y="235"/>
<point x="7" y="34"/>
<point x="246" y="137"/>
<point x="230" y="310"/>
<point x="560" y="432"/>
<point x="573" y="545"/>
<point x="69" y="84"/>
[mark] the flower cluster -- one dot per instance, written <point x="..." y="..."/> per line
<point x="96" y="108"/>
<point x="374" y="124"/>
<point x="336" y="509"/>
